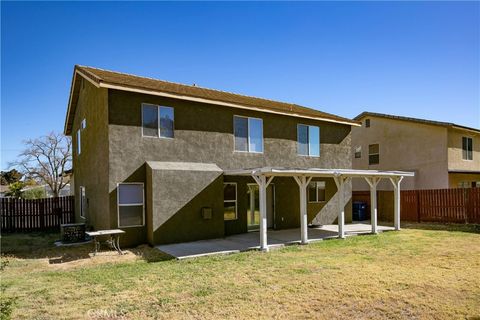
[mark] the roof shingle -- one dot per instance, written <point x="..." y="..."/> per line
<point x="127" y="81"/>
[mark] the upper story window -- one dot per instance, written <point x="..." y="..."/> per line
<point x="358" y="152"/>
<point x="248" y="134"/>
<point x="308" y="140"/>
<point x="367" y="123"/>
<point x="467" y="148"/>
<point x="157" y="121"/>
<point x="374" y="154"/>
<point x="83" y="125"/>
<point x="79" y="142"/>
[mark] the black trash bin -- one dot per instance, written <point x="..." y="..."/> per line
<point x="359" y="211"/>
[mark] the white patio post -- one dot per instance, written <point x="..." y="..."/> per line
<point x="339" y="181"/>
<point x="373" y="182"/>
<point x="252" y="203"/>
<point x="262" y="191"/>
<point x="396" y="201"/>
<point x="303" y="182"/>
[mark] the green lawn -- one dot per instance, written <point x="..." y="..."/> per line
<point x="423" y="272"/>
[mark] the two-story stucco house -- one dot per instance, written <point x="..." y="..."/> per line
<point x="442" y="155"/>
<point x="171" y="163"/>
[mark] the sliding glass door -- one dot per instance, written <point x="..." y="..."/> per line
<point x="253" y="212"/>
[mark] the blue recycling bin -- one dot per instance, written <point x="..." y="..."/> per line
<point x="359" y="211"/>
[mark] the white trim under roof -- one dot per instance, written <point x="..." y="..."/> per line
<point x="317" y="172"/>
<point x="221" y="103"/>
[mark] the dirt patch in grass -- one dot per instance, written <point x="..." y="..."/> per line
<point x="418" y="273"/>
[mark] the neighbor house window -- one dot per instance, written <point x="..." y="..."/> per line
<point x="367" y="123"/>
<point x="464" y="184"/>
<point x="373" y="154"/>
<point x="83" y="202"/>
<point x="248" y="134"/>
<point x="229" y="201"/>
<point x="157" y="121"/>
<point x="316" y="191"/>
<point x="130" y="205"/>
<point x="467" y="148"/>
<point x="308" y="140"/>
<point x="358" y="152"/>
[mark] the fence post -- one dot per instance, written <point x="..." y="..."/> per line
<point x="468" y="203"/>
<point x="417" y="205"/>
<point x="42" y="214"/>
<point x="10" y="214"/>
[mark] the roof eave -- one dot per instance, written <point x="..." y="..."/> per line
<point x="107" y="85"/>
<point x="67" y="130"/>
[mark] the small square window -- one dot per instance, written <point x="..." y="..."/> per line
<point x="358" y="152"/>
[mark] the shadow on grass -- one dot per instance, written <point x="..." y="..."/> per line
<point x="150" y="254"/>
<point x="40" y="245"/>
<point x="469" y="228"/>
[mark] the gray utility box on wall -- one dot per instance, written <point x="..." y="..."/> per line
<point x="207" y="213"/>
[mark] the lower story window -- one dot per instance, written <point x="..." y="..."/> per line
<point x="83" y="202"/>
<point x="130" y="205"/>
<point x="464" y="184"/>
<point x="316" y="191"/>
<point x="230" y="201"/>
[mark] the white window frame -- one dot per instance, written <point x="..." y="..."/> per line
<point x="79" y="142"/>
<point x="236" y="202"/>
<point x="82" y="203"/>
<point x="316" y="192"/>
<point x="471" y="139"/>
<point x="248" y="135"/>
<point x="130" y="205"/>
<point x="158" y="120"/>
<point x="308" y="137"/>
<point x="83" y="125"/>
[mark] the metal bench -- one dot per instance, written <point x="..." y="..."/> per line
<point x="113" y="241"/>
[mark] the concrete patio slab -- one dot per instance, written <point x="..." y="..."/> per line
<point x="250" y="241"/>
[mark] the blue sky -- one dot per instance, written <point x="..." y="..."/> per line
<point x="419" y="59"/>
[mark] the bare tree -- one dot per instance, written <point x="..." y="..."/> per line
<point x="46" y="159"/>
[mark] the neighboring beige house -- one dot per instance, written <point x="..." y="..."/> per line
<point x="442" y="155"/>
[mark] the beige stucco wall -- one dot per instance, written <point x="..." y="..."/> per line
<point x="456" y="178"/>
<point x="406" y="146"/>
<point x="455" y="160"/>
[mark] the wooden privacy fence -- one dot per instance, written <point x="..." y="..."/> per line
<point x="37" y="214"/>
<point x="441" y="205"/>
<point x="438" y="205"/>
